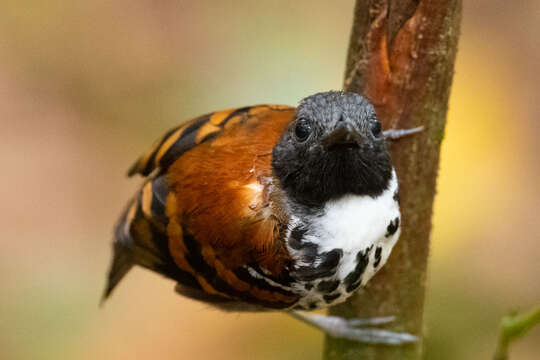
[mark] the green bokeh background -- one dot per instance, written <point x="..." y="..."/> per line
<point x="86" y="86"/>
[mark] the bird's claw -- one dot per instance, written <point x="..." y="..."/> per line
<point x="350" y="329"/>
<point x="394" y="134"/>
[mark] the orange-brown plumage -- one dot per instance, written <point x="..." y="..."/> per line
<point x="217" y="171"/>
<point x="220" y="190"/>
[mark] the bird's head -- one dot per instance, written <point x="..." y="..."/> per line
<point x="334" y="146"/>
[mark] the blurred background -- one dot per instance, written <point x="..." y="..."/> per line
<point x="86" y="86"/>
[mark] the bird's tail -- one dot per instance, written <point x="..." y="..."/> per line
<point x="123" y="257"/>
<point x="140" y="239"/>
<point x="122" y="262"/>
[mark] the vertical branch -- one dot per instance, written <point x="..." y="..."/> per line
<point x="401" y="56"/>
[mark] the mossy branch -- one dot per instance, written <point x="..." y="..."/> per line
<point x="401" y="56"/>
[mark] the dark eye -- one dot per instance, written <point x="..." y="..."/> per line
<point x="302" y="131"/>
<point x="376" y="128"/>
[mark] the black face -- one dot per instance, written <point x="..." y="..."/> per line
<point x="333" y="147"/>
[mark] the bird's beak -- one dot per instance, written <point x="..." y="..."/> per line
<point x="344" y="136"/>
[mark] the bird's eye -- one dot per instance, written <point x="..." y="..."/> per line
<point x="376" y="128"/>
<point x="302" y="131"/>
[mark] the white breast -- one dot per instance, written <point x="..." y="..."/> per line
<point x="351" y="224"/>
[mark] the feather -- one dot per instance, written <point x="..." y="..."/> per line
<point x="204" y="210"/>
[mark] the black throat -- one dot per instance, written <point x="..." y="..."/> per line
<point x="316" y="181"/>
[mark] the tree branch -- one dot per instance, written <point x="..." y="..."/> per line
<point x="401" y="56"/>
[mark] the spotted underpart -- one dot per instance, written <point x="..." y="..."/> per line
<point x="392" y="227"/>
<point x="327" y="286"/>
<point x="325" y="267"/>
<point x="377" y="256"/>
<point x="352" y="280"/>
<point x="396" y="196"/>
<point x="340" y="248"/>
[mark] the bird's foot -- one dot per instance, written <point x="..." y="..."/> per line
<point x="350" y="328"/>
<point x="394" y="134"/>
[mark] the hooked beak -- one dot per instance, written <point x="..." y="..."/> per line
<point x="343" y="137"/>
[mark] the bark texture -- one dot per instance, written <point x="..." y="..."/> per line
<point x="401" y="56"/>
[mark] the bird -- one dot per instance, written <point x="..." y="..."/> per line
<point x="269" y="208"/>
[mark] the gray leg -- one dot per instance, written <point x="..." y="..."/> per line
<point x="348" y="329"/>
<point x="394" y="134"/>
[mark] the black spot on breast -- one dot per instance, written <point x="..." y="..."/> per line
<point x="327" y="286"/>
<point x="312" y="306"/>
<point x="392" y="227"/>
<point x="327" y="266"/>
<point x="331" y="297"/>
<point x="353" y="287"/>
<point x="331" y="258"/>
<point x="308" y="286"/>
<point x="396" y="196"/>
<point x="308" y="250"/>
<point x="295" y="239"/>
<point x="362" y="260"/>
<point x="378" y="252"/>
